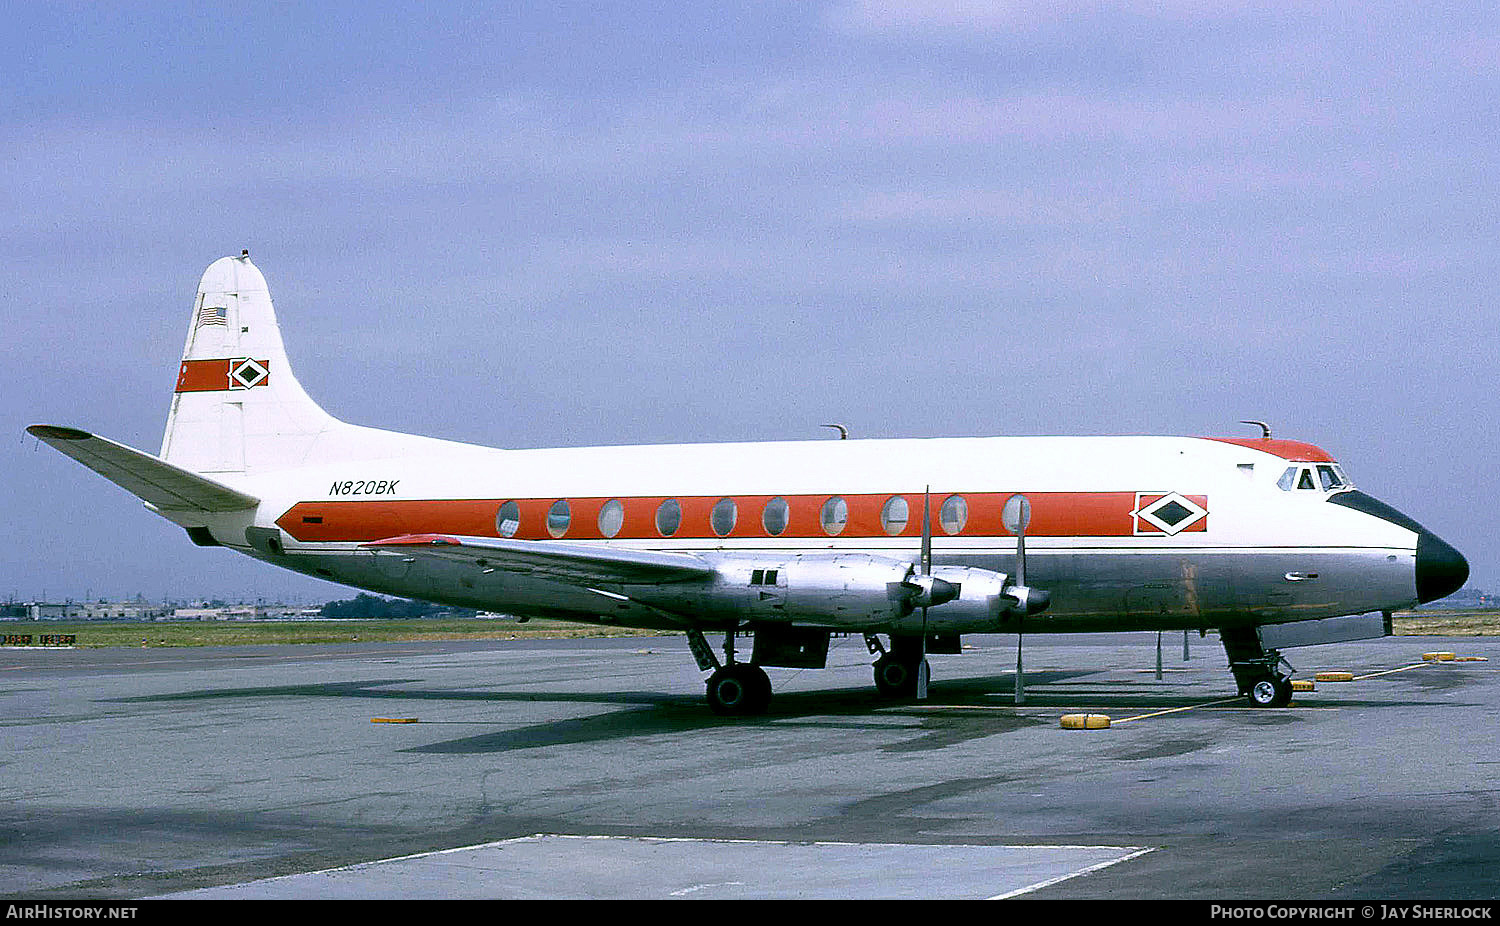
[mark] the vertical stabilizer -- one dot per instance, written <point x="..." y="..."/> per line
<point x="237" y="406"/>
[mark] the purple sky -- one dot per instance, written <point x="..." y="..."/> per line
<point x="616" y="224"/>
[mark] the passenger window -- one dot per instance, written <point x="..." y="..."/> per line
<point x="775" y="516"/>
<point x="894" y="514"/>
<point x="559" y="516"/>
<point x="954" y="514"/>
<point x="834" y="516"/>
<point x="508" y="519"/>
<point x="611" y="517"/>
<point x="668" y="517"/>
<point x="723" y="516"/>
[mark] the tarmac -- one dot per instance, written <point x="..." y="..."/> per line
<point x="593" y="769"/>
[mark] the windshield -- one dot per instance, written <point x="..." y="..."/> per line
<point x="1314" y="477"/>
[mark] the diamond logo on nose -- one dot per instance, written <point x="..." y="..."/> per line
<point x="1168" y="514"/>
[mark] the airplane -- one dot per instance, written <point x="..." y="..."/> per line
<point x="919" y="541"/>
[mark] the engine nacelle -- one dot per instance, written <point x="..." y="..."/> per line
<point x="981" y="600"/>
<point x="847" y="589"/>
<point x="858" y="591"/>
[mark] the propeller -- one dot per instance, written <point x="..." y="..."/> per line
<point x="923" y="673"/>
<point x="927" y="590"/>
<point x="1016" y="516"/>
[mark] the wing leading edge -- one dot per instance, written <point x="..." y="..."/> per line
<point x="570" y="562"/>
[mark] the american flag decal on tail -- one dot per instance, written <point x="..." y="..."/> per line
<point x="213" y="315"/>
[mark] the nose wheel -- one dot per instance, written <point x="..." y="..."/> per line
<point x="1271" y="691"/>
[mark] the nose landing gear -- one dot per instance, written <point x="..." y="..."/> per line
<point x="1271" y="691"/>
<point x="1257" y="670"/>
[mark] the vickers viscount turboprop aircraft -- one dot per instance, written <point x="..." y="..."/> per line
<point x="917" y="540"/>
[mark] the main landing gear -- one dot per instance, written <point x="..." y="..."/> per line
<point x="1257" y="670"/>
<point x="735" y="689"/>
<point x="896" y="669"/>
<point x="738" y="689"/>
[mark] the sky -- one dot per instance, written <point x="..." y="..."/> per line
<point x="619" y="223"/>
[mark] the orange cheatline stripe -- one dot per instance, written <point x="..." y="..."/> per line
<point x="1054" y="514"/>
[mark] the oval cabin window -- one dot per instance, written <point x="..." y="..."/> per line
<point x="954" y="514"/>
<point x="508" y="519"/>
<point x="835" y="516"/>
<point x="611" y="517"/>
<point x="774" y="518"/>
<point x="559" y="516"/>
<point x="722" y="518"/>
<point x="894" y="515"/>
<point x="668" y="517"/>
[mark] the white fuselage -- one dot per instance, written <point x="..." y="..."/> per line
<point x="1244" y="549"/>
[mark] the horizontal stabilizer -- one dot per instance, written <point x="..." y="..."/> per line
<point x="567" y="561"/>
<point x="168" y="487"/>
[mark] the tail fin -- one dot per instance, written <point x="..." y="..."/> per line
<point x="237" y="406"/>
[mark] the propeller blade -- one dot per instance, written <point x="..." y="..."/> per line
<point x="922" y="671"/>
<point x="1020" y="674"/>
<point x="1016" y="515"/>
<point x="927" y="531"/>
<point x="926" y="557"/>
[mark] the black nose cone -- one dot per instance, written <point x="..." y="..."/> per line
<point x="1441" y="570"/>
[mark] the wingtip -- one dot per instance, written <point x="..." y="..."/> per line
<point x="57" y="432"/>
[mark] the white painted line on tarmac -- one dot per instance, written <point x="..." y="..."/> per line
<point x="1061" y="878"/>
<point x="638" y="867"/>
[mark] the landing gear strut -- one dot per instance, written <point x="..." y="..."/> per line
<point x="1257" y="670"/>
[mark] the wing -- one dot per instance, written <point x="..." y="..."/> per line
<point x="571" y="562"/>
<point x="150" y="478"/>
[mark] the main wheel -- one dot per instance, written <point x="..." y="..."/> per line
<point x="739" y="689"/>
<point x="1271" y="691"/>
<point x="894" y="677"/>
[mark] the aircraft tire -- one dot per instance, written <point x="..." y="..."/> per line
<point x="895" y="678"/>
<point x="1270" y="691"/>
<point x="739" y="690"/>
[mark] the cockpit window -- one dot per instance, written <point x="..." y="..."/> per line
<point x="1330" y="478"/>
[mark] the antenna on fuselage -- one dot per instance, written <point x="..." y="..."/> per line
<point x="843" y="431"/>
<point x="1265" y="429"/>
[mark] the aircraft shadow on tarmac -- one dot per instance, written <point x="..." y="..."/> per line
<point x="956" y="709"/>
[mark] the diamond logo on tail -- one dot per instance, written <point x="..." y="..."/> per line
<point x="247" y="373"/>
